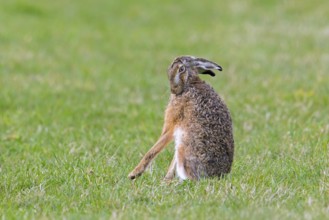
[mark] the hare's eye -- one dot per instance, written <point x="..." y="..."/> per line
<point x="181" y="69"/>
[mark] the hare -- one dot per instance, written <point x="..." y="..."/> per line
<point x="199" y="122"/>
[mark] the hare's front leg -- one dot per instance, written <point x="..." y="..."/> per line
<point x="171" y="171"/>
<point x="165" y="138"/>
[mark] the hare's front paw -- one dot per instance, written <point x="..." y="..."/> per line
<point x="134" y="174"/>
<point x="131" y="176"/>
<point x="169" y="177"/>
<point x="167" y="180"/>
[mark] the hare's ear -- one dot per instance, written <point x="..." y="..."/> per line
<point x="205" y="66"/>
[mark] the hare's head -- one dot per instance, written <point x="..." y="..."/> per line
<point x="184" y="71"/>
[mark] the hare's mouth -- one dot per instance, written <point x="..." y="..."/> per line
<point x="177" y="90"/>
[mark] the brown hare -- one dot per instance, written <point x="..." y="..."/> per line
<point x="199" y="122"/>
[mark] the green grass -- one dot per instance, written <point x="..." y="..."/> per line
<point x="83" y="88"/>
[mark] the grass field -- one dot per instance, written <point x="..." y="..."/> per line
<point x="83" y="87"/>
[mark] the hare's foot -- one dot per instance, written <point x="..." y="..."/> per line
<point x="171" y="170"/>
<point x="134" y="174"/>
<point x="169" y="177"/>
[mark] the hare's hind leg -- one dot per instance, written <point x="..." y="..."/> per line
<point x="191" y="170"/>
<point x="185" y="168"/>
<point x="171" y="171"/>
<point x="180" y="162"/>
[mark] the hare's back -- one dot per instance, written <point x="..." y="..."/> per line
<point x="209" y="111"/>
<point x="209" y="125"/>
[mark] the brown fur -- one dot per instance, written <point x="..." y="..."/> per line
<point x="207" y="143"/>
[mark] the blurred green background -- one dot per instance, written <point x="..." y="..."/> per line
<point x="83" y="88"/>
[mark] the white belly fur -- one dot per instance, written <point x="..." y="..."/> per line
<point x="178" y="134"/>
